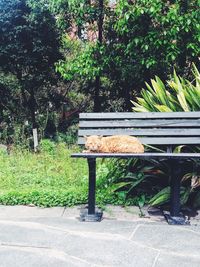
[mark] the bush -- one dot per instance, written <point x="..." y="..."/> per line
<point x="48" y="146"/>
<point x="149" y="180"/>
<point x="180" y="94"/>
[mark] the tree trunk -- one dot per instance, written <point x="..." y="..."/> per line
<point x="100" y="21"/>
<point x="97" y="101"/>
<point x="32" y="106"/>
<point x="182" y="60"/>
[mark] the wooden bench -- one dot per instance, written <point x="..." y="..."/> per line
<point x="165" y="130"/>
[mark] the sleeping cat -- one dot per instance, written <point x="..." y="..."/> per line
<point x="113" y="144"/>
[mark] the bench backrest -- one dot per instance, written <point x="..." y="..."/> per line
<point x="153" y="128"/>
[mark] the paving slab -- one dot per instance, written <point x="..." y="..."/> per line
<point x="110" y="250"/>
<point x="25" y="211"/>
<point x="123" y="228"/>
<point x="32" y="257"/>
<point x="174" y="260"/>
<point x="31" y="236"/>
<point x="94" y="248"/>
<point x="176" y="239"/>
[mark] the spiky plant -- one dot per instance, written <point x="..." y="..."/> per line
<point x="179" y="94"/>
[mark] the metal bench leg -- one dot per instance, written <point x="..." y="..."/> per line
<point x="175" y="188"/>
<point x="92" y="186"/>
<point x="89" y="213"/>
<point x="175" y="216"/>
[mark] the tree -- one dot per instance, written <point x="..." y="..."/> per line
<point x="87" y="17"/>
<point x="140" y="39"/>
<point x="29" y="48"/>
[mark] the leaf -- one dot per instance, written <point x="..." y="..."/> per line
<point x="178" y="149"/>
<point x="134" y="184"/>
<point x="161" y="197"/>
<point x="182" y="101"/>
<point x="154" y="148"/>
<point x="185" y="195"/>
<point x="141" y="201"/>
<point x="163" y="108"/>
<point x="162" y="89"/>
<point x="118" y="186"/>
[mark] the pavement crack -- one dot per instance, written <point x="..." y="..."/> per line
<point x="50" y="252"/>
<point x="189" y="230"/>
<point x="163" y="251"/>
<point x="134" y="231"/>
<point x="156" y="259"/>
<point x="143" y="246"/>
<point x="35" y="226"/>
<point x="63" y="212"/>
<point x="3" y="244"/>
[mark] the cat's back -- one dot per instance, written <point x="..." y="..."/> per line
<point x="122" y="143"/>
<point x="120" y="139"/>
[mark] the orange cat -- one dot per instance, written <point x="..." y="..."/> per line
<point x="113" y="144"/>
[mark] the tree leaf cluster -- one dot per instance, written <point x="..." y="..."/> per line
<point x="141" y="39"/>
<point x="29" y="48"/>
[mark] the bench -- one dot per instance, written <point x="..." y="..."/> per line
<point x="160" y="129"/>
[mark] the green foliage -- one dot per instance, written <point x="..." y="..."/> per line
<point x="132" y="181"/>
<point x="140" y="39"/>
<point x="29" y="47"/>
<point x="84" y="63"/>
<point x="163" y="196"/>
<point x="70" y="137"/>
<point x="9" y="91"/>
<point x="163" y="33"/>
<point x="50" y="178"/>
<point x="179" y="95"/>
<point x="48" y="146"/>
<point x="26" y="49"/>
<point x="44" y="198"/>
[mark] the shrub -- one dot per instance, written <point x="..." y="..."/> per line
<point x="149" y="181"/>
<point x="180" y="94"/>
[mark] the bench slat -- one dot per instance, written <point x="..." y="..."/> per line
<point x="140" y="132"/>
<point x="161" y="140"/>
<point x="142" y="115"/>
<point x="141" y="123"/>
<point x="144" y="155"/>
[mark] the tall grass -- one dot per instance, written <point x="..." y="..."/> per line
<point x="50" y="177"/>
<point x="26" y="177"/>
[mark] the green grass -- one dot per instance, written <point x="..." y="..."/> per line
<point x="48" y="178"/>
<point x="51" y="178"/>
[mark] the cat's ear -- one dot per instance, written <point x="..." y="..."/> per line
<point x="86" y="137"/>
<point x="100" y="136"/>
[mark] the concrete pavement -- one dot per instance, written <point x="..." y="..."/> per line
<point x="31" y="236"/>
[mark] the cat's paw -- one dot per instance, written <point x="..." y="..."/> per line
<point x="86" y="151"/>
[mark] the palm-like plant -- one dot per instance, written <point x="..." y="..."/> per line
<point x="179" y="94"/>
<point x="150" y="179"/>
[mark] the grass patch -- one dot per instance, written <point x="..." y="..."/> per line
<point x="52" y="178"/>
<point x="49" y="178"/>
